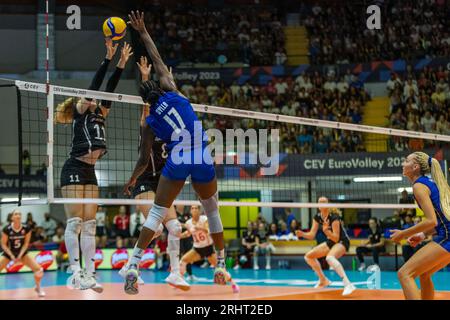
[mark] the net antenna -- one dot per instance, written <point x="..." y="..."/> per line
<point x="58" y="93"/>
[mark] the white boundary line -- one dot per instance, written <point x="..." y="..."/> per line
<point x="75" y="92"/>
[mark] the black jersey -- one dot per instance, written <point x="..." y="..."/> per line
<point x="331" y="218"/>
<point x="157" y="161"/>
<point x="88" y="132"/>
<point x="375" y="237"/>
<point x="16" y="238"/>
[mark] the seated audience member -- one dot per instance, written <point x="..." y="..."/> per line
<point x="248" y="246"/>
<point x="59" y="235"/>
<point x="38" y="238"/>
<point x="263" y="246"/>
<point x="283" y="232"/>
<point x="374" y="245"/>
<point x="273" y="231"/>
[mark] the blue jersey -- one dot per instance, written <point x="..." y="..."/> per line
<point x="172" y="117"/>
<point x="443" y="225"/>
<point x="174" y="121"/>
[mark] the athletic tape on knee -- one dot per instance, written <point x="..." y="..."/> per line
<point x="174" y="228"/>
<point x="155" y="217"/>
<point x="211" y="208"/>
<point x="89" y="227"/>
<point x="73" y="226"/>
<point x="39" y="274"/>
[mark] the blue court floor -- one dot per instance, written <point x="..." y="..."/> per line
<point x="277" y="277"/>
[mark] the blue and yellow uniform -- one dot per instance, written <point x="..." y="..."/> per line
<point x="174" y="121"/>
<point x="443" y="224"/>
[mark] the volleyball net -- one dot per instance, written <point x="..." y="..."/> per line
<point x="261" y="159"/>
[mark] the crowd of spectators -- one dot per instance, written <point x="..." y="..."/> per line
<point x="191" y="34"/>
<point x="420" y="102"/>
<point x="315" y="96"/>
<point x="410" y="29"/>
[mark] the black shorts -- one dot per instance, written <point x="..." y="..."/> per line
<point x="344" y="242"/>
<point x="205" y="252"/>
<point x="144" y="185"/>
<point x="100" y="231"/>
<point x="15" y="253"/>
<point x="77" y="172"/>
<point x="123" y="234"/>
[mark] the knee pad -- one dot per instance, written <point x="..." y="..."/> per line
<point x="39" y="274"/>
<point x="174" y="228"/>
<point x="332" y="261"/>
<point x="159" y="231"/>
<point x="89" y="228"/>
<point x="211" y="208"/>
<point x="155" y="217"/>
<point x="73" y="226"/>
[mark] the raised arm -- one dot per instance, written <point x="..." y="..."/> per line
<point x="166" y="80"/>
<point x="84" y="103"/>
<point x="144" y="68"/>
<point x="144" y="156"/>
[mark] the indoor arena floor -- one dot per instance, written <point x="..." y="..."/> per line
<point x="261" y="284"/>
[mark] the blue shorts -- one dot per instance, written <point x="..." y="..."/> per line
<point x="201" y="171"/>
<point x="443" y="241"/>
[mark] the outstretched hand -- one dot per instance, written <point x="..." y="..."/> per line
<point x="144" y="67"/>
<point x="110" y="48"/>
<point x="126" y="52"/>
<point x="137" y="21"/>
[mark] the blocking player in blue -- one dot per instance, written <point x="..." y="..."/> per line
<point x="433" y="197"/>
<point x="172" y="119"/>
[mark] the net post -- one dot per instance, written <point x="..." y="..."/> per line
<point x="50" y="141"/>
<point x="20" y="138"/>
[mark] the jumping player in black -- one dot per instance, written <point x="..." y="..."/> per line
<point x="336" y="246"/>
<point x="15" y="242"/>
<point x="78" y="178"/>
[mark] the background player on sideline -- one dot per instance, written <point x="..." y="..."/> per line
<point x="15" y="242"/>
<point x="336" y="246"/>
<point x="203" y="247"/>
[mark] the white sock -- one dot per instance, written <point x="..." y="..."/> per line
<point x="87" y="241"/>
<point x="173" y="249"/>
<point x="73" y="229"/>
<point x="136" y="256"/>
<point x="337" y="266"/>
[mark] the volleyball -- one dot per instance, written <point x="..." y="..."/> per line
<point x="114" y="28"/>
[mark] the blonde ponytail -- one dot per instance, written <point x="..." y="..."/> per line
<point x="444" y="189"/>
<point x="64" y="111"/>
<point x="430" y="165"/>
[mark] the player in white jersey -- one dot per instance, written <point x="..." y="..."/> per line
<point x="203" y="247"/>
